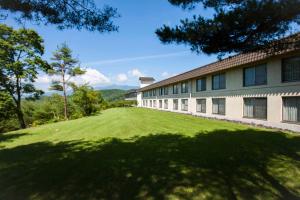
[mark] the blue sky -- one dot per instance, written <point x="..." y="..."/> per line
<point x="120" y="57"/>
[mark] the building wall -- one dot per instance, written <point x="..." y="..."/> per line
<point x="235" y="92"/>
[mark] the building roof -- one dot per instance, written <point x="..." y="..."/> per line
<point x="146" y="79"/>
<point x="230" y="62"/>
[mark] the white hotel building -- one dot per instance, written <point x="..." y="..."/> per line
<point x="255" y="88"/>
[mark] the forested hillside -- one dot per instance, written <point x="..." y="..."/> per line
<point x="113" y="94"/>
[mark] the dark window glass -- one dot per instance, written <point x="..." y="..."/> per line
<point x="166" y="90"/>
<point x="255" y="108"/>
<point x="218" y="106"/>
<point x="291" y="69"/>
<point x="184" y="87"/>
<point x="175" y="89"/>
<point x="291" y="109"/>
<point x="201" y="105"/>
<point x="154" y="92"/>
<point x="218" y="82"/>
<point x="160" y="91"/>
<point x="201" y="84"/>
<point x="255" y="75"/>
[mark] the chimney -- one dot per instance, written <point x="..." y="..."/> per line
<point x="145" y="81"/>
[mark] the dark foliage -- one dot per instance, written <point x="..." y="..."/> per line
<point x="218" y="165"/>
<point x="79" y="14"/>
<point x="237" y="26"/>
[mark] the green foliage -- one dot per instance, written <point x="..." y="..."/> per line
<point x="121" y="103"/>
<point x="20" y="60"/>
<point x="236" y="26"/>
<point x="8" y="118"/>
<point x="87" y="100"/>
<point x="113" y="94"/>
<point x="79" y="14"/>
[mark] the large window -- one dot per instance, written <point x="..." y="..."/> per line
<point x="154" y="92"/>
<point x="150" y="103"/>
<point x="218" y="81"/>
<point x="255" y="108"/>
<point x="291" y="69"/>
<point x="160" y="103"/>
<point x="161" y="91"/>
<point x="184" y="87"/>
<point x="175" y="89"/>
<point x="256" y="75"/>
<point x="175" y="104"/>
<point x="184" y="104"/>
<point x="166" y="104"/>
<point x="201" y="105"/>
<point x="291" y="109"/>
<point x="218" y="106"/>
<point x="201" y="84"/>
<point x="154" y="103"/>
<point x="166" y="90"/>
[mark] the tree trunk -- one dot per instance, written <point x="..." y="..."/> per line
<point x="65" y="98"/>
<point x="20" y="116"/>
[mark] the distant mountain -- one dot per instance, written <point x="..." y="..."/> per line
<point x="113" y="94"/>
<point x="120" y="87"/>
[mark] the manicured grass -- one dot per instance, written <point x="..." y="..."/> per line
<point x="130" y="153"/>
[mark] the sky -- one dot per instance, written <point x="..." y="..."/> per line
<point x="120" y="58"/>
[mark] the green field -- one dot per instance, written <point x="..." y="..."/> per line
<point x="131" y="153"/>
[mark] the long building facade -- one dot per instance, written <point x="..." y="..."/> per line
<point x="255" y="88"/>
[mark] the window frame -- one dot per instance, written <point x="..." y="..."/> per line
<point x="175" y="104"/>
<point x="298" y="110"/>
<point x="176" y="89"/>
<point x="218" y="113"/>
<point x="212" y="81"/>
<point x="282" y="70"/>
<point x="203" y="79"/>
<point x="187" y="105"/>
<point x="202" y="110"/>
<point x="186" y="87"/>
<point x="255" y="78"/>
<point x="254" y="110"/>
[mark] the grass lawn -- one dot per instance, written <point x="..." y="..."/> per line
<point x="132" y="153"/>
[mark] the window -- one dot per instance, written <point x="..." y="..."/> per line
<point x="184" y="87"/>
<point x="218" y="81"/>
<point x="175" y="104"/>
<point x="255" y="108"/>
<point x="184" y="104"/>
<point x="175" y="89"/>
<point x="291" y="69"/>
<point x="201" y="105"/>
<point x="166" y="104"/>
<point x="201" y="84"/>
<point x="160" y="103"/>
<point x="146" y="103"/>
<point x="154" y="103"/>
<point x="218" y="106"/>
<point x="291" y="109"/>
<point x="255" y="75"/>
<point x="154" y="92"/>
<point x="160" y="91"/>
<point x="150" y="103"/>
<point x="166" y="90"/>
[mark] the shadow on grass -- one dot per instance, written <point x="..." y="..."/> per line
<point x="247" y="164"/>
<point x="10" y="137"/>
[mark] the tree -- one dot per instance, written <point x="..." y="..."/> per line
<point x="7" y="113"/>
<point x="64" y="65"/>
<point x="237" y="26"/>
<point x="87" y="99"/>
<point x="79" y="14"/>
<point x="20" y="60"/>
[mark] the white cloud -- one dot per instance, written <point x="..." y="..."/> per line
<point x="165" y="74"/>
<point x="122" y="77"/>
<point x="136" y="73"/>
<point x="92" y="77"/>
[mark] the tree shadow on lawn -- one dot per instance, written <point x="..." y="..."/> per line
<point x="222" y="164"/>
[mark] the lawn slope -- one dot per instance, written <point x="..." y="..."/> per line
<point x="131" y="153"/>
